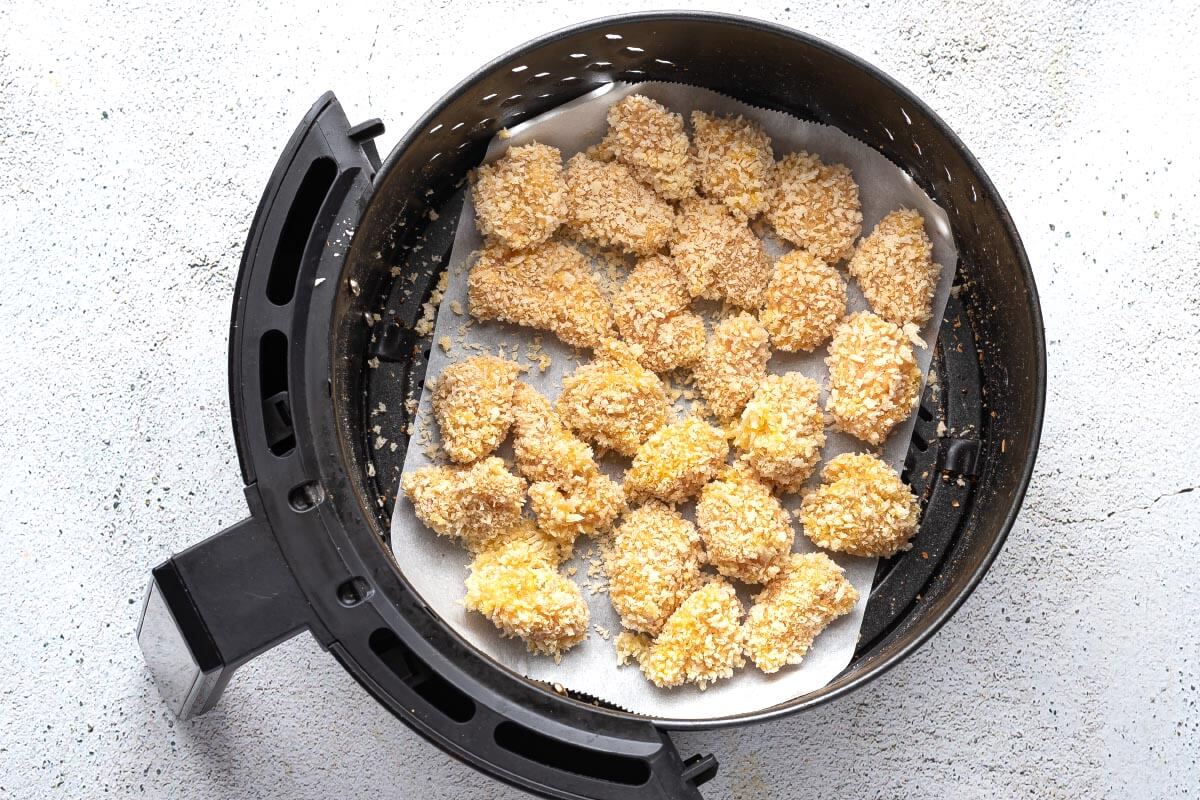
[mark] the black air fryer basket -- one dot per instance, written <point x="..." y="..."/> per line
<point x="322" y="333"/>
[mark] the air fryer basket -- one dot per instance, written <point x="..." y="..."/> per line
<point x="342" y="255"/>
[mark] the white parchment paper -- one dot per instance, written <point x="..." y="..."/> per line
<point x="436" y="566"/>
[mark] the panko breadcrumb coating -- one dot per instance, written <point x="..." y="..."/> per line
<point x="613" y="401"/>
<point x="521" y="198"/>
<point x="874" y="380"/>
<point x="861" y="508"/>
<point x="677" y="461"/>
<point x="805" y="301"/>
<point x="719" y="257"/>
<point x="809" y="592"/>
<point x="584" y="507"/>
<point x="607" y="205"/>
<point x="653" y="564"/>
<point x="745" y="530"/>
<point x="650" y="140"/>
<point x="549" y="287"/>
<point x="474" y="503"/>
<point x="735" y="163"/>
<point x="700" y="643"/>
<point x="895" y="268"/>
<point x="782" y="430"/>
<point x="816" y="206"/>
<point x="472" y="402"/>
<point x="651" y="310"/>
<point x="631" y="647"/>
<point x="734" y="364"/>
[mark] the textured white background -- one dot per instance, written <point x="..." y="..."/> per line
<point x="134" y="143"/>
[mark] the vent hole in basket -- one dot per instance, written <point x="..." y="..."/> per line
<point x="487" y="98"/>
<point x="354" y="591"/>
<point x="907" y="119"/>
<point x="306" y="496"/>
<point x="521" y="68"/>
<point x="417" y="675"/>
<point x="577" y="56"/>
<point x="273" y="391"/>
<point x="919" y="441"/>
<point x="511" y="101"/>
<point x="285" y="267"/>
<point x="567" y="80"/>
<point x="925" y="413"/>
<point x="664" y="62"/>
<point x="917" y="147"/>
<point x="435" y="129"/>
<point x="632" y="50"/>
<point x="560" y="755"/>
<point x="613" y="37"/>
<point x="599" y="66"/>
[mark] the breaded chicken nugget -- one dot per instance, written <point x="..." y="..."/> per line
<point x="735" y="163"/>
<point x="613" y="401"/>
<point x="700" y="643"/>
<point x="607" y="205"/>
<point x="805" y="301"/>
<point x="718" y="256"/>
<point x="584" y="507"/>
<point x="816" y="206"/>
<point x="782" y="430"/>
<point x="549" y="287"/>
<point x="874" y="380"/>
<point x="651" y="310"/>
<point x="734" y="364"/>
<point x="650" y="140"/>
<point x="473" y="503"/>
<point x="653" y="564"/>
<point x="472" y="402"/>
<point x="895" y="268"/>
<point x="676" y="461"/>
<point x="809" y="592"/>
<point x="861" y="508"/>
<point x="521" y="198"/>
<point x="745" y="530"/>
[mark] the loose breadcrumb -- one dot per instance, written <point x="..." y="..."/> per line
<point x="650" y="140"/>
<point x="607" y="205"/>
<point x="651" y="310"/>
<point x="816" y="206"/>
<point x="677" y="461"/>
<point x="472" y="503"/>
<point x="895" y="268"/>
<point x="719" y="257"/>
<point x="472" y="402"/>
<point x="874" y="380"/>
<point x="653" y="564"/>
<point x="735" y="162"/>
<point x="745" y="530"/>
<point x="734" y="364"/>
<point x="521" y="198"/>
<point x="701" y="642"/>
<point x="548" y="287"/>
<point x="805" y="301"/>
<point x="782" y="430"/>
<point x="861" y="508"/>
<point x="809" y="592"/>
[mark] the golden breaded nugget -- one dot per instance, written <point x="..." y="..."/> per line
<point x="701" y="642"/>
<point x="549" y="287"/>
<point x="874" y="380"/>
<point x="782" y="430"/>
<point x="805" y="301"/>
<point x="745" y="530"/>
<point x="676" y="461"/>
<point x="472" y="402"/>
<point x="809" y="592"/>
<point x="653" y="564"/>
<point x="895" y="268"/>
<point x="584" y="507"/>
<point x="861" y="508"/>
<point x="734" y="364"/>
<point x="650" y="140"/>
<point x="607" y="205"/>
<point x="472" y="503"/>
<point x="651" y="310"/>
<point x="521" y="198"/>
<point x="718" y="256"/>
<point x="735" y="163"/>
<point x="816" y="206"/>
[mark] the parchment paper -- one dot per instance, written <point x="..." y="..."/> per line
<point x="436" y="566"/>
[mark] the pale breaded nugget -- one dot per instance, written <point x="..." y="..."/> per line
<point x="521" y="198"/>
<point x="816" y="206"/>
<point x="653" y="564"/>
<point x="718" y="256"/>
<point x="805" y="301"/>
<point x="782" y="430"/>
<point x="734" y="364"/>
<point x="473" y="503"/>
<point x="745" y="530"/>
<point x="651" y="310"/>
<point x="735" y="163"/>
<point x="700" y="643"/>
<point x="874" y="380"/>
<point x="676" y="461"/>
<point x="472" y="402"/>
<point x="613" y="401"/>
<point x="650" y="140"/>
<point x="607" y="205"/>
<point x="895" y="268"/>
<point x="549" y="287"/>
<point x="809" y="592"/>
<point x="861" y="508"/>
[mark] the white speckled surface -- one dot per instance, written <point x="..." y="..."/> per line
<point x="134" y="144"/>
